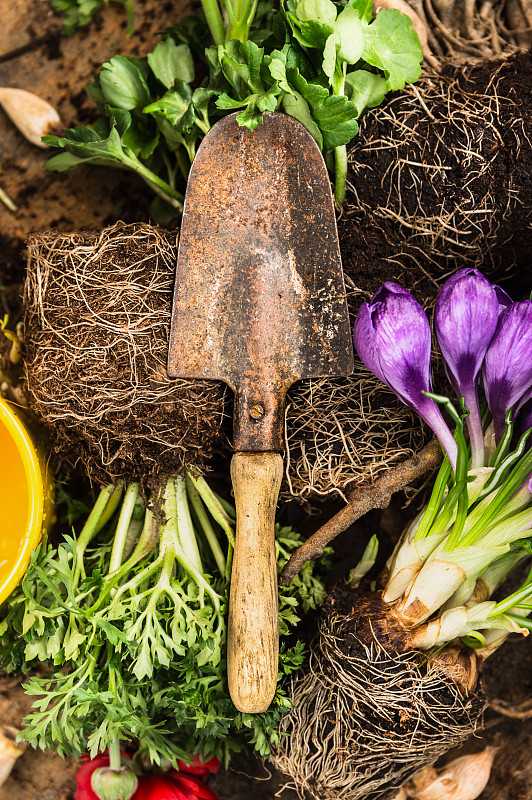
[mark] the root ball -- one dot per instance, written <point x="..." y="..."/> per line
<point x="365" y="715"/>
<point x="440" y="178"/>
<point x="97" y="322"/>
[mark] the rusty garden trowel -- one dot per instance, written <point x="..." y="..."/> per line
<point x="259" y="303"/>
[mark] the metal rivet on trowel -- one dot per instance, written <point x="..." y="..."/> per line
<point x="256" y="412"/>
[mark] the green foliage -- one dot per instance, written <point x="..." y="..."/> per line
<point x="132" y="634"/>
<point x="323" y="63"/>
<point x="78" y="13"/>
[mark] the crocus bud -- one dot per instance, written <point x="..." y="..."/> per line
<point x="508" y="362"/>
<point x="465" y="319"/>
<point x="32" y="115"/>
<point x="392" y="338"/>
<point x="114" y="784"/>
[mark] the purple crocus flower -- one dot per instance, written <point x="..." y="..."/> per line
<point x="504" y="299"/>
<point x="392" y="338"/>
<point x="465" y="319"/>
<point x="508" y="362"/>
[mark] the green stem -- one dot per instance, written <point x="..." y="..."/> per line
<point x="127" y="587"/>
<point x="203" y="520"/>
<point x="147" y="540"/>
<point x="111" y="507"/>
<point x="122" y="527"/>
<point x="115" y="761"/>
<point x="435" y="501"/>
<point x="160" y="187"/>
<point x="90" y="529"/>
<point x="217" y="510"/>
<point x="182" y="163"/>
<point x="185" y="528"/>
<point x="240" y="13"/>
<point x="173" y="198"/>
<point x="226" y="505"/>
<point x="211" y="9"/>
<point x="169" y="168"/>
<point x="130" y="17"/>
<point x="340" y="173"/>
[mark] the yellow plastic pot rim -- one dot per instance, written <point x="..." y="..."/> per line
<point x="35" y="485"/>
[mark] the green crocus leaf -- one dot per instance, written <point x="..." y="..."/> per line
<point x="170" y="62"/>
<point x="349" y="29"/>
<point x="255" y="106"/>
<point x="171" y="135"/>
<point x="335" y="115"/>
<point x="323" y="11"/>
<point x="95" y="93"/>
<point x="253" y="57"/>
<point x="123" y="83"/>
<point x="392" y="45"/>
<point x="267" y="102"/>
<point x="365" y="89"/>
<point x="112" y="633"/>
<point x="175" y="106"/>
<point x="225" y="102"/>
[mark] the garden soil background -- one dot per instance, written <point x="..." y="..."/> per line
<point x="34" y="56"/>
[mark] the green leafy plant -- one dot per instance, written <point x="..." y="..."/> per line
<point x="323" y="63"/>
<point x="78" y="13"/>
<point x="129" y="619"/>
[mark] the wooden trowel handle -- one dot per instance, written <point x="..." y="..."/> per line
<point x="253" y="632"/>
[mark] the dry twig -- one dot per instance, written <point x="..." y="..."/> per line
<point x="360" y="501"/>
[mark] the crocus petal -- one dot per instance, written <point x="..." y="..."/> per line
<point x="364" y="338"/>
<point x="508" y="361"/>
<point x="504" y="299"/>
<point x="392" y="338"/>
<point x="465" y="319"/>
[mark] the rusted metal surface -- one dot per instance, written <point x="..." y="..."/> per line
<point x="259" y="298"/>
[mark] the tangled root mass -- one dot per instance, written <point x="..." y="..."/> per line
<point x="440" y="178"/>
<point x="97" y="323"/>
<point x="366" y="716"/>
